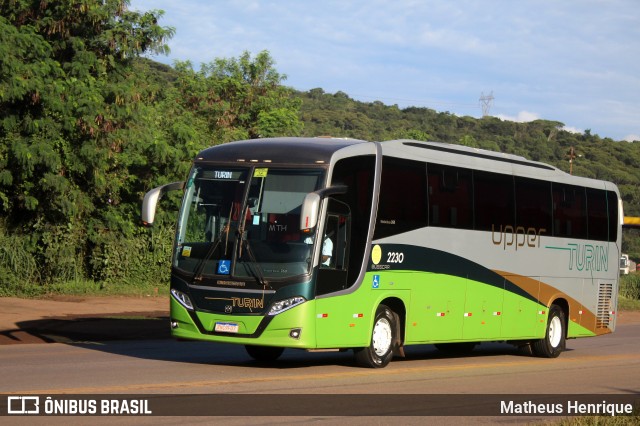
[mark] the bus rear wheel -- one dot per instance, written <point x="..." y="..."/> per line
<point x="554" y="338"/>
<point x="383" y="337"/>
<point x="264" y="353"/>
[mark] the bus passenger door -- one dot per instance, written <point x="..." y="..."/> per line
<point x="334" y="250"/>
<point x="334" y="316"/>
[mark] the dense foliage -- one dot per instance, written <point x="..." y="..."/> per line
<point x="87" y="125"/>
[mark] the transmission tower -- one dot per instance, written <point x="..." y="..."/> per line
<point x="486" y="102"/>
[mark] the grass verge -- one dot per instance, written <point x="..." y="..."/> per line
<point x="85" y="288"/>
<point x="597" y="421"/>
<point x="625" y="304"/>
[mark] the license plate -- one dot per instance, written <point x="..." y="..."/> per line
<point x="226" y="327"/>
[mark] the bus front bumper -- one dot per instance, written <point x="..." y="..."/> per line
<point x="293" y="328"/>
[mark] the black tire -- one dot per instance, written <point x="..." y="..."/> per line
<point x="461" y="348"/>
<point x="264" y="353"/>
<point x="554" y="339"/>
<point x="383" y="340"/>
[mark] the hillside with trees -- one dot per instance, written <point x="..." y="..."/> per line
<point x="88" y="125"/>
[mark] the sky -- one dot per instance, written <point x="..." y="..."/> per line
<point x="572" y="61"/>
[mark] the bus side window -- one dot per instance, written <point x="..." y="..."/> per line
<point x="533" y="204"/>
<point x="569" y="211"/>
<point x="403" y="197"/>
<point x="450" y="190"/>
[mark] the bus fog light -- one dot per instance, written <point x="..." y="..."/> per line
<point x="295" y="333"/>
<point x="174" y="324"/>
<point x="182" y="298"/>
<point x="285" y="304"/>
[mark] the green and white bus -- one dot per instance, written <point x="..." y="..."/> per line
<point x="336" y="244"/>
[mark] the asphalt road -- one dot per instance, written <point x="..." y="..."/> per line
<point x="603" y="365"/>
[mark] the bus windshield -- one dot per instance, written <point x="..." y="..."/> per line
<point x="244" y="223"/>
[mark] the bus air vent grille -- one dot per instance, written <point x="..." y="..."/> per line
<point x="605" y="294"/>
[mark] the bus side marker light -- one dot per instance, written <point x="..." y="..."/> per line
<point x="440" y="314"/>
<point x="358" y="315"/>
<point x="497" y="314"/>
<point x="542" y="312"/>
<point x="323" y="315"/>
<point x="580" y="312"/>
<point x="468" y="314"/>
<point x="352" y="325"/>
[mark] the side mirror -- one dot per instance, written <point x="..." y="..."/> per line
<point x="309" y="211"/>
<point x="151" y="199"/>
<point x="311" y="205"/>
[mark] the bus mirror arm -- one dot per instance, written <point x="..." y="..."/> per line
<point x="311" y="205"/>
<point x="151" y="199"/>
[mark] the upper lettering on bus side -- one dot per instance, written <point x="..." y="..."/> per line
<point x="518" y="236"/>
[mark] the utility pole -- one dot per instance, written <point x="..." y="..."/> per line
<point x="572" y="156"/>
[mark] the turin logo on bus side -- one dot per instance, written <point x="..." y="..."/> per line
<point x="582" y="257"/>
<point x="586" y="257"/>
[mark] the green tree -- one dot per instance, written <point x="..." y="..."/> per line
<point x="67" y="94"/>
<point x="240" y="97"/>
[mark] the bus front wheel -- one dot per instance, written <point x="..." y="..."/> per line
<point x="554" y="338"/>
<point x="264" y="353"/>
<point x="383" y="336"/>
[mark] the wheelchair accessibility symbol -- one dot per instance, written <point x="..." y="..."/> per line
<point x="376" y="281"/>
<point x="224" y="267"/>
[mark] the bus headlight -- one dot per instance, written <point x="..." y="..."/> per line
<point x="182" y="298"/>
<point x="285" y="304"/>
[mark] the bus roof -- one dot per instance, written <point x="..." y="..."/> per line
<point x="482" y="159"/>
<point x="438" y="149"/>
<point x="278" y="150"/>
<point x="321" y="150"/>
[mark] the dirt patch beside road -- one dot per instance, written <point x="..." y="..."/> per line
<point x="78" y="319"/>
<point x="75" y="319"/>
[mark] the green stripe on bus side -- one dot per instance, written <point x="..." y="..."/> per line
<point x="439" y="308"/>
<point x="577" y="330"/>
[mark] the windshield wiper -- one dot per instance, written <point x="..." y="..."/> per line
<point x="198" y="272"/>
<point x="199" y="269"/>
<point x="255" y="266"/>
